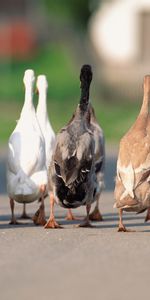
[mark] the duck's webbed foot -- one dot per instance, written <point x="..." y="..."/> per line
<point x="121" y="227"/>
<point x="124" y="229"/>
<point x="70" y="216"/>
<point x="147" y="218"/>
<point x="39" y="217"/>
<point x="86" y="224"/>
<point x="96" y="215"/>
<point x="13" y="221"/>
<point x="51" y="223"/>
<point x="25" y="216"/>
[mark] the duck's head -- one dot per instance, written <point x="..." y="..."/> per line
<point x="42" y="83"/>
<point x="29" y="77"/>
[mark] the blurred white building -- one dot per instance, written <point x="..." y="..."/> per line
<point x="120" y="34"/>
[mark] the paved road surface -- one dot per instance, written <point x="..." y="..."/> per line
<point x="74" y="263"/>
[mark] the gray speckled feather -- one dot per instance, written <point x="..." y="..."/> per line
<point x="74" y="150"/>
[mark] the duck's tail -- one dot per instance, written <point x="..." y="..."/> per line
<point x="85" y="78"/>
<point x="20" y="187"/>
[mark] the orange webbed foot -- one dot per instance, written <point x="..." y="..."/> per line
<point x="96" y="215"/>
<point x="39" y="217"/>
<point x="51" y="223"/>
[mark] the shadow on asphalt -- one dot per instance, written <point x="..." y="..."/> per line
<point x="24" y="225"/>
<point x="108" y="217"/>
<point x="99" y="226"/>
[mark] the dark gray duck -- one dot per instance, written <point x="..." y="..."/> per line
<point x="72" y="173"/>
<point x="99" y="153"/>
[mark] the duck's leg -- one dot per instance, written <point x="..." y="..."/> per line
<point x="51" y="223"/>
<point x="121" y="227"/>
<point x="24" y="214"/>
<point x="147" y="218"/>
<point x="13" y="220"/>
<point x="86" y="221"/>
<point x="39" y="217"/>
<point x="70" y="216"/>
<point x="96" y="214"/>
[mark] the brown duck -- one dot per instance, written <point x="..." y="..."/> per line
<point x="132" y="190"/>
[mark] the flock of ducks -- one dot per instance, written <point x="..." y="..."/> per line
<point x="69" y="166"/>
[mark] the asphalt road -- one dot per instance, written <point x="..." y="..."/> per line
<point x="74" y="263"/>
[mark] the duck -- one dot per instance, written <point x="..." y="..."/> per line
<point x="45" y="125"/>
<point x="99" y="162"/>
<point x="72" y="171"/>
<point x="43" y="119"/>
<point x="99" y="154"/>
<point x="26" y="167"/>
<point x="132" y="186"/>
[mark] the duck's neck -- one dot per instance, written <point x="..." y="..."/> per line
<point x="146" y="98"/>
<point x="84" y="99"/>
<point x="28" y="102"/>
<point x="80" y="117"/>
<point x="42" y="103"/>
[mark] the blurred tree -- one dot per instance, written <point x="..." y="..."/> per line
<point x="77" y="11"/>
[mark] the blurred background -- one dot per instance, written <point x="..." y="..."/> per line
<point x="55" y="38"/>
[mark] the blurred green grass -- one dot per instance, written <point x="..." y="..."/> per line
<point x="57" y="62"/>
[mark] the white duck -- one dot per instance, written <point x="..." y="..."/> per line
<point x="42" y="116"/>
<point x="27" y="174"/>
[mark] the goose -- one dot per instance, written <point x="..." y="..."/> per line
<point x="99" y="162"/>
<point x="132" y="188"/>
<point x="72" y="171"/>
<point x="26" y="169"/>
